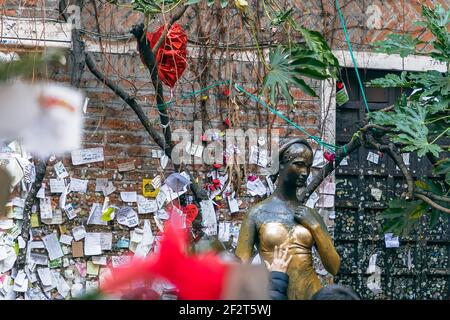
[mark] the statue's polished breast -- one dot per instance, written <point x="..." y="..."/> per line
<point x="303" y="281"/>
<point x="271" y="234"/>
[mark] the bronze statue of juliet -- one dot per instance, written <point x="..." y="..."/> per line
<point x="281" y="218"/>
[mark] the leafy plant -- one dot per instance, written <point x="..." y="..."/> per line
<point x="281" y="17"/>
<point x="29" y="64"/>
<point x="288" y="66"/>
<point x="420" y="120"/>
<point x="402" y="216"/>
<point x="408" y="126"/>
<point x="404" y="45"/>
<point x="442" y="167"/>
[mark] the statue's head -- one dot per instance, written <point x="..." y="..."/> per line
<point x="295" y="161"/>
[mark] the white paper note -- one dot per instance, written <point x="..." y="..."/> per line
<point x="127" y="216"/>
<point x="95" y="215"/>
<point x="405" y="157"/>
<point x="87" y="156"/>
<point x="128" y="196"/>
<point x="224" y="231"/>
<point x="373" y="157"/>
<point x="41" y="192"/>
<point x="45" y="276"/>
<point x="53" y="247"/>
<point x="391" y="241"/>
<point x="60" y="170"/>
<point x="110" y="188"/>
<point x="99" y="260"/>
<point x="312" y="200"/>
<point x="233" y="204"/>
<point x="146" y="205"/>
<point x="78" y="185"/>
<point x="66" y="239"/>
<point x="106" y="240"/>
<point x="177" y="182"/>
<point x="70" y="211"/>
<point x="57" y="185"/>
<point x="92" y="244"/>
<point x="329" y="188"/>
<point x="79" y="233"/>
<point x="256" y="187"/>
<point x="376" y="193"/>
<point x="127" y="166"/>
<point x="319" y="160"/>
<point x="45" y="206"/>
<point x="372" y="263"/>
<point x="209" y="219"/>
<point x="156" y="182"/>
<point x="100" y="184"/>
<point x="144" y="246"/>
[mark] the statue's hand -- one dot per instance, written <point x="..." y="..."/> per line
<point x="307" y="217"/>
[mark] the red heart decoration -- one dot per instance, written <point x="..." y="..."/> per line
<point x="171" y="55"/>
<point x="191" y="211"/>
<point x="329" y="156"/>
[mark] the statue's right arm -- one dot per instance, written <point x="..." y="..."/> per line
<point x="246" y="241"/>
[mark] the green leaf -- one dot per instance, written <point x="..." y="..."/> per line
<point x="442" y="167"/>
<point x="391" y="81"/>
<point x="282" y="74"/>
<point x="408" y="125"/>
<point x="402" y="216"/>
<point x="434" y="217"/>
<point x="437" y="21"/>
<point x="211" y="2"/>
<point x="316" y="42"/>
<point x="189" y="2"/>
<point x="29" y="64"/>
<point x="432" y="82"/>
<point x="223" y="3"/>
<point x="404" y="45"/>
<point x="281" y="17"/>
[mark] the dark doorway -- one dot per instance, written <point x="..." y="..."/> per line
<point x="419" y="268"/>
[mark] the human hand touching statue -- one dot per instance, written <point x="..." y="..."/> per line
<point x="281" y="259"/>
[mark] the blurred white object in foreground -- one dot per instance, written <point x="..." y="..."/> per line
<point x="45" y="117"/>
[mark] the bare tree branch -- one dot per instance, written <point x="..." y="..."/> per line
<point x="389" y="149"/>
<point x="175" y="18"/>
<point x="41" y="166"/>
<point x="77" y="60"/>
<point x="431" y="203"/>
<point x="432" y="196"/>
<point x="149" y="60"/>
<point x="127" y="98"/>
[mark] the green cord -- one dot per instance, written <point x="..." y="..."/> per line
<point x="256" y="99"/>
<point x="341" y="17"/>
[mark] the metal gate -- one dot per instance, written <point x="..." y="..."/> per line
<point x="419" y="268"/>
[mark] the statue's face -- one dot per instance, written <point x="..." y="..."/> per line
<point x="296" y="171"/>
